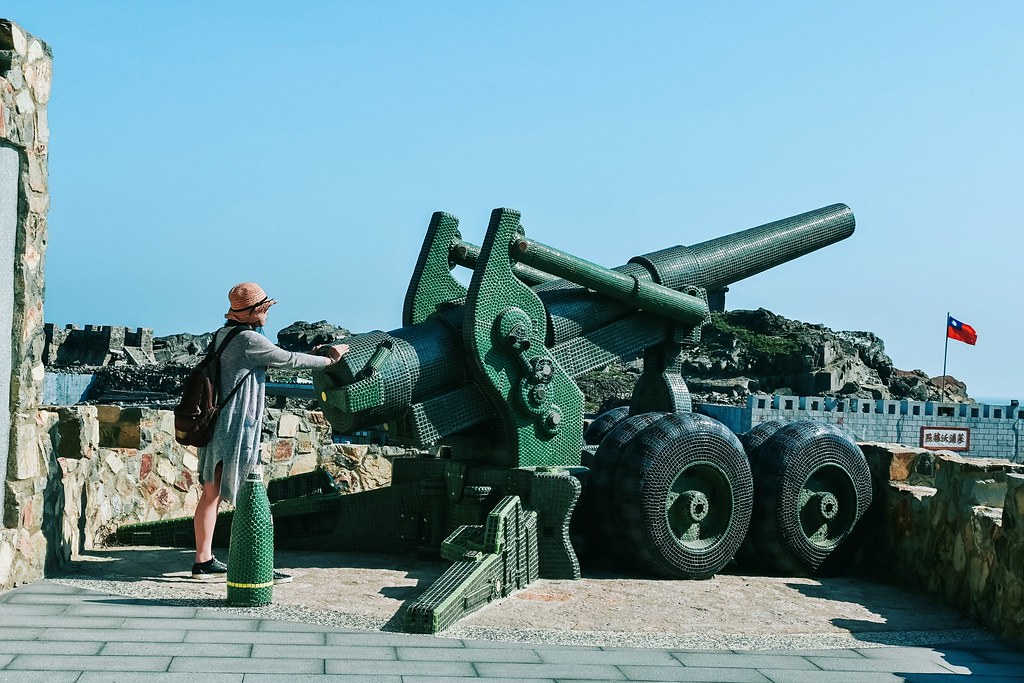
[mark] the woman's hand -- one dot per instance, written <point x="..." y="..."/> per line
<point x="333" y="351"/>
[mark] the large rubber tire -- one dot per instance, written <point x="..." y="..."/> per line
<point x="747" y="556"/>
<point x="758" y="434"/>
<point x="813" y="486"/>
<point x="604" y="522"/>
<point x="685" y="495"/>
<point x="604" y="424"/>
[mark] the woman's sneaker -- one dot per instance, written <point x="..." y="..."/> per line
<point x="211" y="569"/>
<point x="281" y="577"/>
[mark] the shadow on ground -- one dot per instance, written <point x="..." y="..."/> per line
<point x="996" y="658"/>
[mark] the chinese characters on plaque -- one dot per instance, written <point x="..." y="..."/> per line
<point x="946" y="438"/>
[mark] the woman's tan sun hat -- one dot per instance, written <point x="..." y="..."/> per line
<point x="247" y="301"/>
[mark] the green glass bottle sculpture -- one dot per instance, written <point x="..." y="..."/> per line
<point x="251" y="551"/>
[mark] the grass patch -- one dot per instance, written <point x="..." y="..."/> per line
<point x="755" y="341"/>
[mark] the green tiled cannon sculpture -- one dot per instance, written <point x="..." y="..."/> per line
<point x="484" y="377"/>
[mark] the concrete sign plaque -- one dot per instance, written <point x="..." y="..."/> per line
<point x="946" y="438"/>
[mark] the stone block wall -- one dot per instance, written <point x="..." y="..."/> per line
<point x="953" y="526"/>
<point x="25" y="77"/>
<point x="297" y="442"/>
<point x="107" y="464"/>
<point x="291" y="441"/>
<point x="111" y="466"/>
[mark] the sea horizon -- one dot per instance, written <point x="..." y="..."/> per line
<point x="994" y="400"/>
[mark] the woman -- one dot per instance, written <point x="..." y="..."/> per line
<point x="234" y="450"/>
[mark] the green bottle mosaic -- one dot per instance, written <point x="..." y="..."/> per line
<point x="251" y="549"/>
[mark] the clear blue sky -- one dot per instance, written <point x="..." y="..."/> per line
<point x="198" y="144"/>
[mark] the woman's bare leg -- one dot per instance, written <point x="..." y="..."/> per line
<point x="206" y="516"/>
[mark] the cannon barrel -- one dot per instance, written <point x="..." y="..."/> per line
<point x="718" y="262"/>
<point x="712" y="265"/>
<point x="724" y="260"/>
<point x="424" y="364"/>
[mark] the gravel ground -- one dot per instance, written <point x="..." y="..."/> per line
<point x="729" y="611"/>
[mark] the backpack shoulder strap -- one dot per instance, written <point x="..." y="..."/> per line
<point x="213" y="350"/>
<point x="235" y="390"/>
<point x="214" y="360"/>
<point x="232" y="333"/>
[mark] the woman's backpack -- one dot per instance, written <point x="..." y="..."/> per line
<point x="196" y="413"/>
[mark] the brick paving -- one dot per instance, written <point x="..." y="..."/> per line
<point x="53" y="632"/>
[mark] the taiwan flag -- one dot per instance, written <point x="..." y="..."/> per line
<point x="960" y="331"/>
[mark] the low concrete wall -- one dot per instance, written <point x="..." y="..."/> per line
<point x="953" y="526"/>
<point x="111" y="466"/>
<point x="986" y="431"/>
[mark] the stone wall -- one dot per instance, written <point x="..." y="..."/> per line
<point x="25" y="77"/>
<point x="111" y="466"/>
<point x="295" y="442"/>
<point x="953" y="526"/>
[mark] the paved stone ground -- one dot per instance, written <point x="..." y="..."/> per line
<point x="150" y="621"/>
<point x="55" y="632"/>
<point x="732" y="610"/>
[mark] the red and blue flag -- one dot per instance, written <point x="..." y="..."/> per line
<point x="960" y="331"/>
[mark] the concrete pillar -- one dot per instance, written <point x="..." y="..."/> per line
<point x="26" y="71"/>
<point x="9" y="175"/>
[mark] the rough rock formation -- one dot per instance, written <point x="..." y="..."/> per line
<point x="302" y="336"/>
<point x="744" y="352"/>
<point x="180" y="349"/>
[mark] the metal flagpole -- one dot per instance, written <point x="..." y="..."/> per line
<point x="945" y="354"/>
